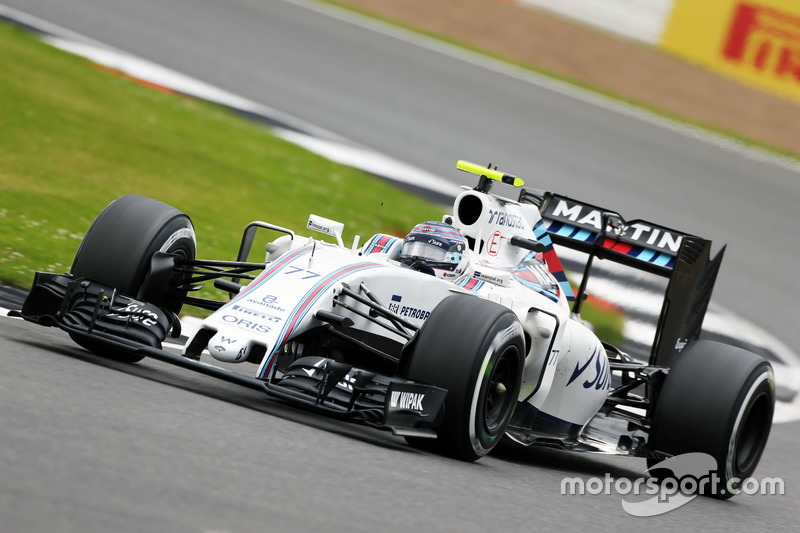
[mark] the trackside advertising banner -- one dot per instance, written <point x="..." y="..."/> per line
<point x="756" y="42"/>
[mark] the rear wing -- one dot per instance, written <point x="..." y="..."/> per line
<point x="683" y="258"/>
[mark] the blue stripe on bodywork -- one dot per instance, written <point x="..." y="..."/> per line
<point x="540" y="231"/>
<point x="269" y="273"/>
<point x="306" y="304"/>
<point x="664" y="260"/>
<point x="565" y="231"/>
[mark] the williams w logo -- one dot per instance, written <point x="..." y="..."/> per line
<point x="407" y="400"/>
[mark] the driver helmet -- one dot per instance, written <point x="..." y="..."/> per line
<point x="438" y="246"/>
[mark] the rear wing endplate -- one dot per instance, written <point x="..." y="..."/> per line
<point x="683" y="258"/>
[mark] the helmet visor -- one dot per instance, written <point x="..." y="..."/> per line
<point x="426" y="251"/>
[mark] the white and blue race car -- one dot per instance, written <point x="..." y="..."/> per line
<point x="461" y="333"/>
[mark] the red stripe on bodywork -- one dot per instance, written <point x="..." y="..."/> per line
<point x="617" y="246"/>
<point x="299" y="311"/>
<point x="274" y="268"/>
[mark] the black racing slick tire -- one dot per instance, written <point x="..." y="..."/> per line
<point x="719" y="400"/>
<point x="118" y="248"/>
<point x="474" y="349"/>
<point x="119" y="245"/>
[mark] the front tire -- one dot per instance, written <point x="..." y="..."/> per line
<point x="117" y="251"/>
<point x="717" y="399"/>
<point x="475" y="349"/>
<point x="119" y="245"/>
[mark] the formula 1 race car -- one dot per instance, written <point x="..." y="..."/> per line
<point x="464" y="331"/>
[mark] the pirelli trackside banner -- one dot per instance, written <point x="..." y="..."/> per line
<point x="756" y="42"/>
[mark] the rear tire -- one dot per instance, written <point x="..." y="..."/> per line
<point x="118" y="248"/>
<point x="475" y="349"/>
<point x="717" y="399"/>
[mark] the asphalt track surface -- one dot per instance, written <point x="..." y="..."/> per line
<point x="91" y="445"/>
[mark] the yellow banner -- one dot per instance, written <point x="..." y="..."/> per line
<point x="754" y="41"/>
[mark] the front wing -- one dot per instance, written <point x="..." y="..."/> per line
<point x="88" y="310"/>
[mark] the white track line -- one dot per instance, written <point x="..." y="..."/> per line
<point x="317" y="140"/>
<point x="551" y="84"/>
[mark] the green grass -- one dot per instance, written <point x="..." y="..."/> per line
<point x="73" y="138"/>
<point x="607" y="319"/>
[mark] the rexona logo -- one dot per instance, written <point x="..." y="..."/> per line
<point x="637" y="232"/>
<point x="407" y="400"/>
<point x="765" y="39"/>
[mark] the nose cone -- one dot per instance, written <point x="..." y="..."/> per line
<point x="228" y="349"/>
<point x="236" y="350"/>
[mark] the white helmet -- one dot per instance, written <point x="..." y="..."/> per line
<point x="436" y="246"/>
